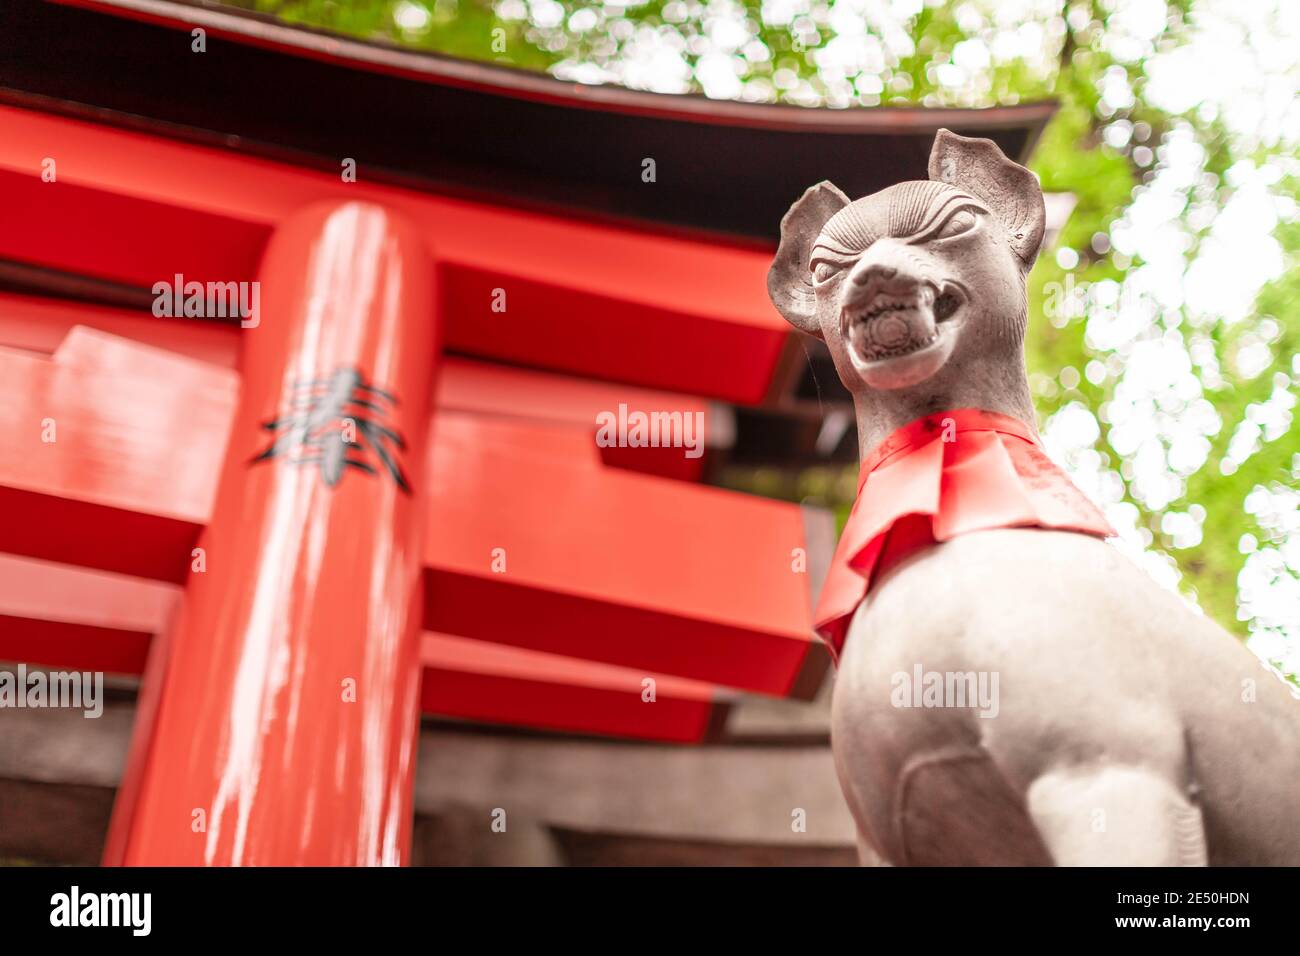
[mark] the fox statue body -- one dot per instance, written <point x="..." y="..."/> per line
<point x="1128" y="730"/>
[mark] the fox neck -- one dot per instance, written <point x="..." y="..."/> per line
<point x="999" y="387"/>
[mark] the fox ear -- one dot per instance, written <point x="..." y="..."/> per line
<point x="789" y="283"/>
<point x="1011" y="191"/>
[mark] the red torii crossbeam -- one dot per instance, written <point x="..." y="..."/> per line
<point x="136" y="210"/>
<point x="128" y="414"/>
<point x="113" y="622"/>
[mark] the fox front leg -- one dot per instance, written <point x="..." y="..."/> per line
<point x="1116" y="816"/>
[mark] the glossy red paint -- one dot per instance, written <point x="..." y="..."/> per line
<point x="277" y="719"/>
<point x="287" y="718"/>
<point x="144" y="757"/>
<point x="67" y="329"/>
<point x="499" y="684"/>
<point x="613" y="566"/>
<point x="111" y="469"/>
<point x="108" y="627"/>
<point x="591" y="550"/>
<point x="120" y="625"/>
<point x="578" y="297"/>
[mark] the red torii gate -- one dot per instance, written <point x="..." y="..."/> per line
<point x="277" y="714"/>
<point x="601" y="563"/>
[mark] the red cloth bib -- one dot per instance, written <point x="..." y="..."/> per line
<point x="938" y="477"/>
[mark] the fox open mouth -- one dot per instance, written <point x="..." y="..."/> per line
<point x="893" y="325"/>
<point x="900" y="338"/>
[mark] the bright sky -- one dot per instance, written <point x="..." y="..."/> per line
<point x="1161" y="422"/>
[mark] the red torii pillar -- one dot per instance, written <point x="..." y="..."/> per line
<point x="286" y="718"/>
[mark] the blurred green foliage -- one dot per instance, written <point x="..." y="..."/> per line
<point x="1105" y="146"/>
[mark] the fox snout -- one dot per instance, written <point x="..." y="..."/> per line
<point x="894" y="301"/>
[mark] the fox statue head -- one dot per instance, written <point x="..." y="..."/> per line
<point x="918" y="290"/>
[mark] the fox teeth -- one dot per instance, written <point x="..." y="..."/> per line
<point x="883" y="305"/>
<point x="874" y="354"/>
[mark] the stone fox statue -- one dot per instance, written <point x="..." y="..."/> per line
<point x="1011" y="689"/>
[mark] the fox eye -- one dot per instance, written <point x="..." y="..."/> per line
<point x="823" y="270"/>
<point x="962" y="221"/>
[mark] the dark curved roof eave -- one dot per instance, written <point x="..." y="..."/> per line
<point x="463" y="127"/>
